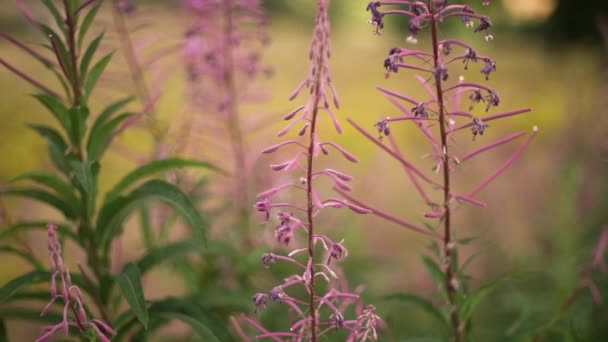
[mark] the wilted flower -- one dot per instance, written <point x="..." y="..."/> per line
<point x="479" y="127"/>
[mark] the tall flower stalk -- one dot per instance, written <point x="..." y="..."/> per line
<point x="222" y="49"/>
<point x="318" y="313"/>
<point x="437" y="119"/>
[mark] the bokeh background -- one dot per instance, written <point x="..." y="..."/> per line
<point x="543" y="215"/>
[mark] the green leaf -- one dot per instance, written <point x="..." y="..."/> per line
<point x="26" y="256"/>
<point x="40" y="225"/>
<point x="30" y="315"/>
<point x="169" y="252"/>
<point x="57" y="147"/>
<point x="421" y="303"/>
<point x="56" y="15"/>
<point x="146" y="226"/>
<point x="201" y="320"/>
<point x="78" y="118"/>
<point x="87" y="57"/>
<point x="152" y="168"/>
<point x="205" y="332"/>
<point x="96" y="71"/>
<point x="130" y="286"/>
<point x="85" y="174"/>
<point x="60" y="50"/>
<point x="469" y="304"/>
<point x="86" y="23"/>
<point x="57" y="108"/>
<point x="113" y="212"/>
<point x="434" y="271"/>
<point x="53" y="182"/>
<point x="44" y="197"/>
<point x="100" y="139"/>
<point x="14" y="285"/>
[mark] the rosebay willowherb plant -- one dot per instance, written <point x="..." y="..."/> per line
<point x="76" y="151"/>
<point x="222" y="50"/>
<point x="321" y="308"/>
<point x="441" y="119"/>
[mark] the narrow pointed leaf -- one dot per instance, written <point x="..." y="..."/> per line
<point x="114" y="211"/>
<point x="469" y="304"/>
<point x="102" y="136"/>
<point x="434" y="271"/>
<point x="78" y="118"/>
<point x="60" y="50"/>
<point x="57" y="108"/>
<point x="153" y="168"/>
<point x="94" y="74"/>
<point x="86" y="23"/>
<point x="204" y="323"/>
<point x="84" y="172"/>
<point x="44" y="197"/>
<point x="130" y="287"/>
<point x="59" y="21"/>
<point x="53" y="182"/>
<point x="57" y="147"/>
<point x="204" y="331"/>
<point x="169" y="252"/>
<point x="87" y="57"/>
<point x="16" y="284"/>
<point x="22" y="254"/>
<point x="63" y="230"/>
<point x="421" y="303"/>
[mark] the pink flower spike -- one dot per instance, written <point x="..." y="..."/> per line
<point x="506" y="165"/>
<point x="492" y="145"/>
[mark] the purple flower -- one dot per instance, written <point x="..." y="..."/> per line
<point x="377" y="16"/>
<point x="489" y="67"/>
<point x="264" y="206"/>
<point x="283" y="233"/>
<point x="470" y="56"/>
<point x="268" y="259"/>
<point x="479" y="127"/>
<point x="383" y="128"/>
<point x="259" y="301"/>
<point x="420" y="110"/>
<point x="441" y="72"/>
<point x="336" y="320"/>
<point x="492" y="99"/>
